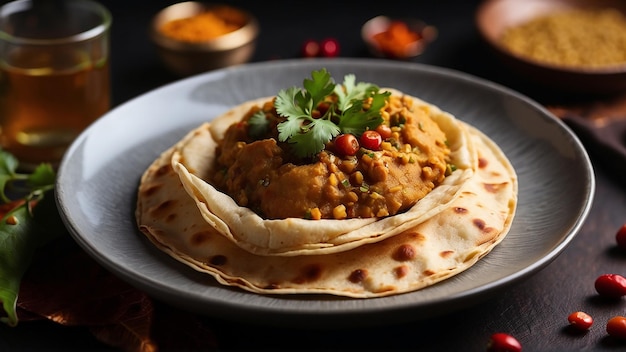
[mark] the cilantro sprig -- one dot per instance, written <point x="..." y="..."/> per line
<point x="351" y="111"/>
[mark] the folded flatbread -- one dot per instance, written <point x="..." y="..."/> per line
<point x="177" y="213"/>
<point x="193" y="161"/>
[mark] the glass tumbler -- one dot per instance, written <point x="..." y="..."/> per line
<point x="54" y="75"/>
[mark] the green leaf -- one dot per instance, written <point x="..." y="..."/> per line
<point x="289" y="103"/>
<point x="18" y="243"/>
<point x="350" y="91"/>
<point x="258" y="125"/>
<point x="20" y="236"/>
<point x="314" y="138"/>
<point x="355" y="120"/>
<point x="16" y="248"/>
<point x="8" y="163"/>
<point x="43" y="176"/>
<point x="319" y="87"/>
<point x="308" y="135"/>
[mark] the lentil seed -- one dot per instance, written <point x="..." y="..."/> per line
<point x="316" y="214"/>
<point x="332" y="179"/>
<point x="339" y="212"/>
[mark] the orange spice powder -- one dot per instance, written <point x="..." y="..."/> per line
<point x="396" y="39"/>
<point x="204" y="26"/>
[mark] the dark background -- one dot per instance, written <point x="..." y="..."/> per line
<point x="535" y="310"/>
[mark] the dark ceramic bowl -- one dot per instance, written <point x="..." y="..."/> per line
<point x="493" y="17"/>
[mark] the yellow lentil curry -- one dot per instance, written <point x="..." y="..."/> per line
<point x="575" y="38"/>
<point x="262" y="173"/>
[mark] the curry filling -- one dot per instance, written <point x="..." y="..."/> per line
<point x="262" y="173"/>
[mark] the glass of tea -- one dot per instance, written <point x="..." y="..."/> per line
<point x="54" y="75"/>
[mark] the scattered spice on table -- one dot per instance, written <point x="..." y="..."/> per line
<point x="574" y="38"/>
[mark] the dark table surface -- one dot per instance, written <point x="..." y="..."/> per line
<point x="534" y="310"/>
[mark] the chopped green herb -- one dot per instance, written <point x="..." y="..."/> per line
<point x="308" y="135"/>
<point x="258" y="125"/>
<point x="450" y="168"/>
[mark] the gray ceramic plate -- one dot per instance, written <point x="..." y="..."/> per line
<point x="99" y="176"/>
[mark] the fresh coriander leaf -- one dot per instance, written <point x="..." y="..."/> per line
<point x="308" y="135"/>
<point x="319" y="87"/>
<point x="289" y="103"/>
<point x="355" y="120"/>
<point x="350" y="91"/>
<point x="314" y="138"/>
<point x="258" y="125"/>
<point x="289" y="128"/>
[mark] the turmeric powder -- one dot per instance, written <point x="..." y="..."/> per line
<point x="204" y="26"/>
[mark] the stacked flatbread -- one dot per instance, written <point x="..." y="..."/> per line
<point x="443" y="234"/>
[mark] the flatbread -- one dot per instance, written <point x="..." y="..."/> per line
<point x="193" y="159"/>
<point x="443" y="245"/>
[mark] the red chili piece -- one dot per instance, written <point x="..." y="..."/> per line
<point x="616" y="327"/>
<point x="501" y="342"/>
<point x="346" y="144"/>
<point x="580" y="320"/>
<point x="620" y="237"/>
<point x="371" y="140"/>
<point x="329" y="47"/>
<point x="611" y="285"/>
<point x="310" y="48"/>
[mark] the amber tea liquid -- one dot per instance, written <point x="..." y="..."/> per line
<point x="48" y="101"/>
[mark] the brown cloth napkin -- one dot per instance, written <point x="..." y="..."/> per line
<point x="601" y="125"/>
<point x="68" y="287"/>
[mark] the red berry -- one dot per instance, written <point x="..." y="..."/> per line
<point x="329" y="47"/>
<point x="346" y="144"/>
<point x="501" y="342"/>
<point x="371" y="140"/>
<point x="620" y="237"/>
<point x="580" y="320"/>
<point x="611" y="285"/>
<point x="616" y="327"/>
<point x="310" y="48"/>
<point x="384" y="130"/>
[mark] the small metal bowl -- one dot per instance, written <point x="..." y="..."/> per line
<point x="384" y="47"/>
<point x="187" y="58"/>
